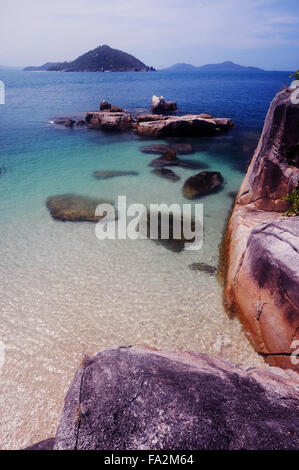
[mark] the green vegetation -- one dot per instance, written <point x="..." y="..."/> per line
<point x="295" y="75"/>
<point x="293" y="199"/>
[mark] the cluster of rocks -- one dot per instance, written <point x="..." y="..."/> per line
<point x="201" y="184"/>
<point x="137" y="398"/>
<point x="157" y="124"/>
<point x="72" y="207"/>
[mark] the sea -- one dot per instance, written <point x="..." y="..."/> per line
<point x="64" y="293"/>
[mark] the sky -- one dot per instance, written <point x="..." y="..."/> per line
<point x="262" y="33"/>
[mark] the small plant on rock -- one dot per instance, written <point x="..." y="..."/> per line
<point x="295" y="75"/>
<point x="293" y="199"/>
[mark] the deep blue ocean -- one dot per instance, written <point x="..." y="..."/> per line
<point x="63" y="292"/>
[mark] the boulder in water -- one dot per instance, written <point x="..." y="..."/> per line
<point x="203" y="183"/>
<point x="160" y="106"/>
<point x="74" y="208"/>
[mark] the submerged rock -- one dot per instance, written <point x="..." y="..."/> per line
<point x="167" y="159"/>
<point x="203" y="183"/>
<point x="157" y="148"/>
<point x="105" y="174"/>
<point x="134" y="398"/>
<point x="74" y="208"/>
<point x="193" y="164"/>
<point x="206" y="268"/>
<point x="166" y="173"/>
<point x="160" y="106"/>
<point x="182" y="149"/>
<point x="171" y="241"/>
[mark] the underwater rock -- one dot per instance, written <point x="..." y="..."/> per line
<point x="203" y="183"/>
<point x="166" y="173"/>
<point x="182" y="149"/>
<point x="167" y="159"/>
<point x="105" y="174"/>
<point x="206" y="268"/>
<point x="172" y="243"/>
<point x="157" y="148"/>
<point x="74" y="208"/>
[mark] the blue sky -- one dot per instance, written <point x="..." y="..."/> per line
<point x="263" y="33"/>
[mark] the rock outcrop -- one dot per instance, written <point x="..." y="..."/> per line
<point x="160" y="106"/>
<point x="262" y="246"/>
<point x="109" y="121"/>
<point x="134" y="398"/>
<point x="105" y="106"/>
<point x="74" y="208"/>
<point x="203" y="183"/>
<point x="190" y="125"/>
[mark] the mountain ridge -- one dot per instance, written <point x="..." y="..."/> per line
<point x="226" y="66"/>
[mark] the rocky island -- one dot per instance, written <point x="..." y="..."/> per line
<point x="101" y="59"/>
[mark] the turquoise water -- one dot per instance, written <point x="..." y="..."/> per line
<point x="65" y="293"/>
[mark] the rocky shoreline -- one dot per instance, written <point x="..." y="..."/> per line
<point x="262" y="246"/>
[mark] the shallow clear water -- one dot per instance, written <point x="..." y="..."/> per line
<point x="64" y="293"/>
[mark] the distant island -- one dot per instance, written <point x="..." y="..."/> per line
<point x="101" y="59"/>
<point x="226" y="66"/>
